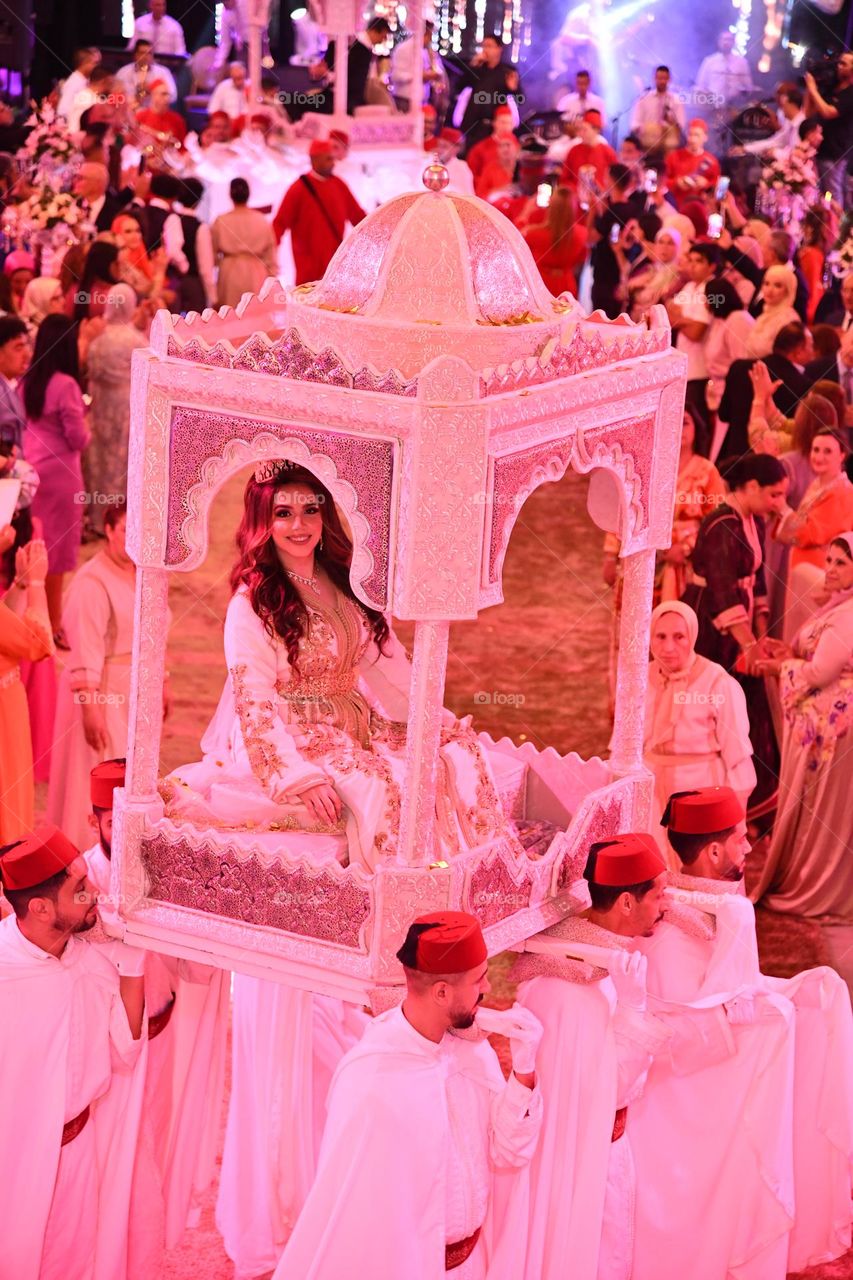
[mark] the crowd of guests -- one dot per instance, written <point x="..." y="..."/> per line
<point x="750" y="691"/>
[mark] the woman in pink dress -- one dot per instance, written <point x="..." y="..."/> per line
<point x="55" y="437"/>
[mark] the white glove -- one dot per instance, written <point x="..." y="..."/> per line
<point x="628" y="971"/>
<point x="129" y="961"/>
<point x="521" y="1027"/>
<point x="741" y="1011"/>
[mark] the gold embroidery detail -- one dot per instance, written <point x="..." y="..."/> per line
<point x="257" y="721"/>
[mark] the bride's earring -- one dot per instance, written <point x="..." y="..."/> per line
<point x="320" y="543"/>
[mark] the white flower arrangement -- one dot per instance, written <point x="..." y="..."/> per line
<point x="48" y="140"/>
<point x="793" y="171"/>
<point x="47" y="209"/>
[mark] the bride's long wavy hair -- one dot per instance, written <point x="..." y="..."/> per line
<point x="273" y="595"/>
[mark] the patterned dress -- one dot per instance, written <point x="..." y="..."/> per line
<point x="727" y="587"/>
<point x="340" y="719"/>
<point x="809" y="868"/>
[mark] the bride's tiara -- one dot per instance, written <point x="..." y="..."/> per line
<point x="273" y="468"/>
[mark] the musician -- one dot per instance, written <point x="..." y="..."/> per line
<point x="163" y="33"/>
<point x="724" y="74"/>
<point x="403" y="61"/>
<point x="657" y="116"/>
<point x="691" y="170"/>
<point x="790" y="114"/>
<point x="586" y="165"/>
<point x="574" y="106"/>
<point x="135" y="78"/>
<point x="167" y="126"/>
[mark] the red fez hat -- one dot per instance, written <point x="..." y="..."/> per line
<point x="260" y="117"/>
<point x="156" y="84"/>
<point x="698" y="123"/>
<point x="503" y="111"/>
<point x="429" y="111"/>
<point x="444" y="942"/>
<point x="36" y="858"/>
<point x="218" y="115"/>
<point x="103" y="780"/>
<point x="625" y="860"/>
<point x="702" y="812"/>
<point x="593" y="117"/>
<point x="320" y="147"/>
<point x="338" y="135"/>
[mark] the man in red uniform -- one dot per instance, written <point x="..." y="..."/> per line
<point x="316" y="210"/>
<point x="691" y="170"/>
<point x="587" y="163"/>
<point x="486" y="152"/>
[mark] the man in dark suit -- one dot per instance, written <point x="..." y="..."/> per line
<point x="792" y="351"/>
<point x="492" y="83"/>
<point x="836" y="305"/>
<point x="359" y="61"/>
<point x="102" y="205"/>
<point x="15" y="354"/>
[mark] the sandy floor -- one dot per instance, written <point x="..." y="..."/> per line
<point x="534" y="667"/>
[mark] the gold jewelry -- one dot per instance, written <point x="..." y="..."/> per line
<point x="272" y="468"/>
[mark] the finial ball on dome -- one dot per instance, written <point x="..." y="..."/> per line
<point x="435" y="177"/>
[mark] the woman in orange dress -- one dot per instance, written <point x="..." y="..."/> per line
<point x="25" y="632"/>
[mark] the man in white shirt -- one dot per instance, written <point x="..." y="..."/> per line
<point x="135" y="78"/>
<point x="98" y="88"/>
<point x="789" y="99"/>
<point x="690" y="318"/>
<point x="166" y="35"/>
<point x="403" y="62"/>
<point x="423" y="1164"/>
<point x="85" y="61"/>
<point x="657" y="116"/>
<point x="575" y="105"/>
<point x="231" y="95"/>
<point x="724" y="74"/>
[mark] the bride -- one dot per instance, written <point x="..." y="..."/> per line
<point x="310" y="731"/>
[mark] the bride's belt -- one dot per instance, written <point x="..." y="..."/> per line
<point x="332" y="697"/>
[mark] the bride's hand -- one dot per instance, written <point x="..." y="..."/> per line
<point x="322" y="802"/>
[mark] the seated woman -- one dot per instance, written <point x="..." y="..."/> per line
<point x="310" y="732"/>
<point x="697" y="726"/>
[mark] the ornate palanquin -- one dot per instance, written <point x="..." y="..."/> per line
<point x="432" y="383"/>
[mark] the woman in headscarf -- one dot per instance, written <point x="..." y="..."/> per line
<point x="778" y="292"/>
<point x="809" y="869"/>
<point x="663" y="276"/>
<point x="19" y="269"/>
<point x="697" y="726"/>
<point x="109" y="360"/>
<point x="42" y="297"/>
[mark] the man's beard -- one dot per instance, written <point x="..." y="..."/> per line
<point x="462" y="1021"/>
<point x="733" y="873"/>
<point x="63" y="925"/>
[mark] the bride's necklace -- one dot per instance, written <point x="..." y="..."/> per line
<point x="309" y="582"/>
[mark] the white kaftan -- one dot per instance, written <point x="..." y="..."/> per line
<point x="182" y="1084"/>
<point x="423" y="1142"/>
<point x="720" y="952"/>
<point x="593" y="1061"/>
<point x="285" y="1047"/>
<point x="339" y="719"/>
<point x="65" y="1037"/>
<point x="713" y="1132"/>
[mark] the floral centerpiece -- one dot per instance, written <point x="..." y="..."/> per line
<point x="789" y="184"/>
<point x="49" y="148"/>
<point x="46" y="209"/>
